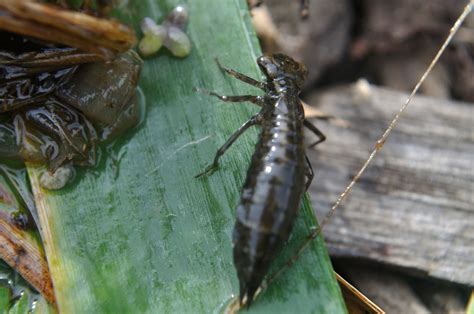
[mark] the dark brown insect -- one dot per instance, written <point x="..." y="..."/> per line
<point x="275" y="182"/>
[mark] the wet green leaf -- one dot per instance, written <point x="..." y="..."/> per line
<point x="4" y="298"/>
<point x="140" y="234"/>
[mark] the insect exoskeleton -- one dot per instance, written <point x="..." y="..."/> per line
<point x="276" y="177"/>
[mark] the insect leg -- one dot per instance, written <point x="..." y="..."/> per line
<point x="244" y="78"/>
<point x="316" y="131"/>
<point x="257" y="100"/>
<point x="209" y="169"/>
<point x="309" y="173"/>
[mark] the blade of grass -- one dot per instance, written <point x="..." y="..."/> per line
<point x="151" y="238"/>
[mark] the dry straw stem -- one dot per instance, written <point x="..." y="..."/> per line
<point x="104" y="37"/>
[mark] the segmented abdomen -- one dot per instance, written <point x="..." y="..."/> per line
<point x="270" y="196"/>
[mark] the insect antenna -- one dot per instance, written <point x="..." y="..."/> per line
<point x="378" y="146"/>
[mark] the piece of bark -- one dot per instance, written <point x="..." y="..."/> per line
<point x="413" y="207"/>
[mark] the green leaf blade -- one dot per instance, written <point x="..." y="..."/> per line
<point x="152" y="238"/>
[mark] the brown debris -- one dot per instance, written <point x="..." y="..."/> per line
<point x="100" y="36"/>
<point x="25" y="258"/>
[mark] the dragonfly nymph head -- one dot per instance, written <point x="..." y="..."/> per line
<point x="281" y="67"/>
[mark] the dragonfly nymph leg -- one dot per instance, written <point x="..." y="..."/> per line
<point x="244" y="78"/>
<point x="316" y="131"/>
<point x="257" y="100"/>
<point x="212" y="167"/>
<point x="309" y="173"/>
